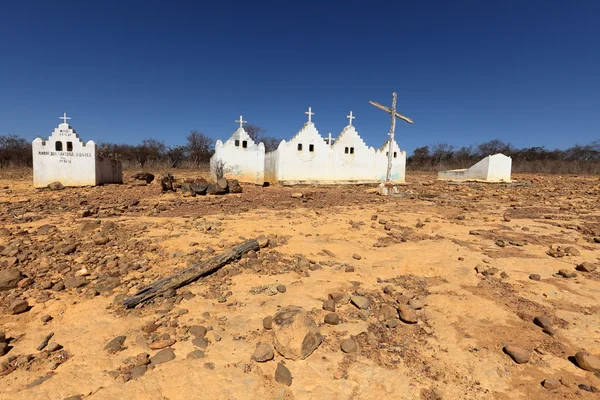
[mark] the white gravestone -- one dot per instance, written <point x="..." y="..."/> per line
<point x="494" y="168"/>
<point x="239" y="157"/>
<point x="309" y="158"/>
<point x="66" y="159"/>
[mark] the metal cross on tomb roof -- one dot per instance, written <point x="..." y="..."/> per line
<point x="394" y="114"/>
<point x="350" y="117"/>
<point x="310" y="114"/>
<point x="241" y="121"/>
<point x="64" y="118"/>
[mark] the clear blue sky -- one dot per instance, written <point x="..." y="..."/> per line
<point x="527" y="72"/>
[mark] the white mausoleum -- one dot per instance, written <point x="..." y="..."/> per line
<point x="309" y="158"/>
<point x="495" y="168"/>
<point x="66" y="159"/>
<point x="240" y="158"/>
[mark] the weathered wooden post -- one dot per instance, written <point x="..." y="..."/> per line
<point x="394" y="114"/>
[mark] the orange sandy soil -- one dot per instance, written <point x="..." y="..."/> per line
<point x="425" y="242"/>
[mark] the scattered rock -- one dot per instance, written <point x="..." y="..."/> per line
<point x="490" y="271"/>
<point x="56" y="186"/>
<point x="392" y="322"/>
<point x="416" y="304"/>
<point x="138" y="371"/>
<point x="551" y="384"/>
<point x="329" y="305"/>
<point x="587" y="388"/>
<point x="163" y="356"/>
<point x="200" y="342"/>
<point x="89" y="226"/>
<point x="283" y="375"/>
<point x="9" y="278"/>
<point x="295" y="333"/>
<point x="566" y="273"/>
<point x="161" y="344"/>
<point x="143" y="176"/>
<point x="107" y="284"/>
<point x="329" y="253"/>
<point x="587" y="361"/>
<point x="550" y="330"/>
<point x="76" y="282"/>
<point x="356" y="256"/>
<point x="572" y="251"/>
<point x="542" y="321"/>
<point x="361" y="302"/>
<point x="195" y="355"/>
<point x="116" y="344"/>
<point x="349" y="346"/>
<point x="234" y="186"/>
<point x="586" y="267"/>
<point x="198" y="331"/>
<point x="332" y="319"/>
<point x="388" y="289"/>
<point x="187" y="191"/>
<point x="386" y="311"/>
<point x="297" y="195"/>
<point x="268" y="322"/>
<point x="535" y="277"/>
<point x="339" y="298"/>
<point x="18" y="307"/>
<point x="263" y="352"/>
<point x="223" y="185"/>
<point x="58" y="287"/>
<point x="518" y="354"/>
<point x="52" y="347"/>
<point x="198" y="188"/>
<point x="407" y="314"/>
<point x="44" y="342"/>
<point x="142" y="359"/>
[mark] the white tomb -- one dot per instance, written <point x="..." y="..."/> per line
<point x="494" y="168"/>
<point x="66" y="159"/>
<point x="239" y="157"/>
<point x="308" y="158"/>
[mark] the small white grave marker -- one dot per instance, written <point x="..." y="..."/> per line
<point x="66" y="159"/>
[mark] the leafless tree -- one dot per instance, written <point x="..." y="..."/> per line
<point x="220" y="168"/>
<point x="258" y="135"/>
<point x="255" y="132"/>
<point x="199" y="147"/>
<point x="15" y="151"/>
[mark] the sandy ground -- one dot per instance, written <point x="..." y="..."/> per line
<point x="426" y="243"/>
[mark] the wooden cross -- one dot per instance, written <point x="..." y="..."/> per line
<point x="394" y="114"/>
<point x="310" y="114"/>
<point x="241" y="121"/>
<point x="64" y="118"/>
<point x="350" y="117"/>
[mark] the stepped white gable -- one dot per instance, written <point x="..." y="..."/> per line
<point x="65" y="158"/>
<point x="239" y="158"/>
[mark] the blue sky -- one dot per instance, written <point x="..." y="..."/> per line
<point x="526" y="72"/>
